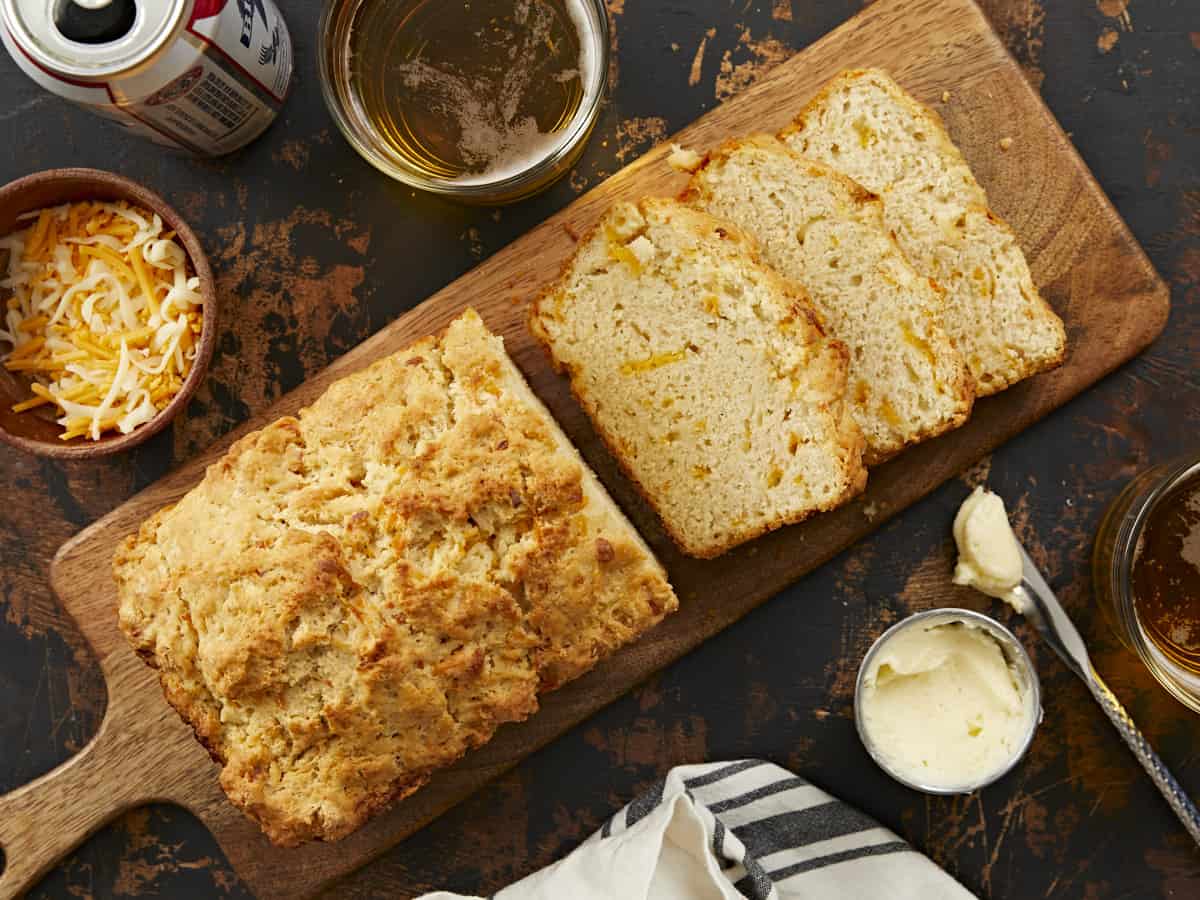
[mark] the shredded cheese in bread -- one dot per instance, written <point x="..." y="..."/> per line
<point x="101" y="314"/>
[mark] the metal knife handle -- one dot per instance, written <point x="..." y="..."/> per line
<point x="1183" y="806"/>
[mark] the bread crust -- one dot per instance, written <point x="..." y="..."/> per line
<point x="885" y="81"/>
<point x="353" y="598"/>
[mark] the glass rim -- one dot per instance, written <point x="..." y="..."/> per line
<point x="1125" y="544"/>
<point x="341" y="102"/>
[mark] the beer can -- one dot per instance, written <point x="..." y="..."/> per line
<point x="202" y="76"/>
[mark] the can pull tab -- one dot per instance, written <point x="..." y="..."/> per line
<point x="94" y="21"/>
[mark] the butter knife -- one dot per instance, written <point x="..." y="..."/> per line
<point x="1040" y="606"/>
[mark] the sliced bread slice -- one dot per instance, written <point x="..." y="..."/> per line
<point x="706" y="373"/>
<point x="864" y="124"/>
<point x="824" y="231"/>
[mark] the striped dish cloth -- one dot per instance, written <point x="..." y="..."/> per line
<point x="737" y="829"/>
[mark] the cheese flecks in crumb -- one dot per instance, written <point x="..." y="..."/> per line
<point x="989" y="558"/>
<point x="100" y="313"/>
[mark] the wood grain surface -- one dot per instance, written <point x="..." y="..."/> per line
<point x="1084" y="260"/>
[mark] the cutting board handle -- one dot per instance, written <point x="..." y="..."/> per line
<point x="46" y="819"/>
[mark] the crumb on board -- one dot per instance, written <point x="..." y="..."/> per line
<point x="870" y="510"/>
<point x="945" y="96"/>
<point x="571" y="232"/>
<point x="1005" y="143"/>
<point x="683" y="159"/>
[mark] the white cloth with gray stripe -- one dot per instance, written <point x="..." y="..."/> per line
<point x="737" y="829"/>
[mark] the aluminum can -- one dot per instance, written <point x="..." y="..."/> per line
<point x="201" y="76"/>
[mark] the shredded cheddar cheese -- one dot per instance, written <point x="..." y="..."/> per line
<point x="101" y="314"/>
<point x="658" y="360"/>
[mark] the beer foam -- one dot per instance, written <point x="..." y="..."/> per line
<point x="494" y="138"/>
<point x="511" y="151"/>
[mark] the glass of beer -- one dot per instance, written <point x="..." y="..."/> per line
<point x="1146" y="573"/>
<point x="483" y="101"/>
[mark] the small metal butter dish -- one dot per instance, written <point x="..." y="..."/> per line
<point x="1015" y="659"/>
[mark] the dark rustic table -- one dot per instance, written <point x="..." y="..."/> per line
<point x="314" y="250"/>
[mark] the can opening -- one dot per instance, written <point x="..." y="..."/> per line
<point x="94" y="21"/>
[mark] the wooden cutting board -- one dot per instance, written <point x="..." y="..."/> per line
<point x="1084" y="259"/>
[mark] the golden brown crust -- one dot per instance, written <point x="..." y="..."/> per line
<point x="884" y="81"/>
<point x="727" y="148"/>
<point x="353" y="598"/>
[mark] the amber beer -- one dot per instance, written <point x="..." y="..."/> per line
<point x="460" y="94"/>
<point x="203" y="76"/>
<point x="1165" y="576"/>
<point x="1146" y="572"/>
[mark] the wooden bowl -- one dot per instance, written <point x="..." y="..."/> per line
<point x="35" y="430"/>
